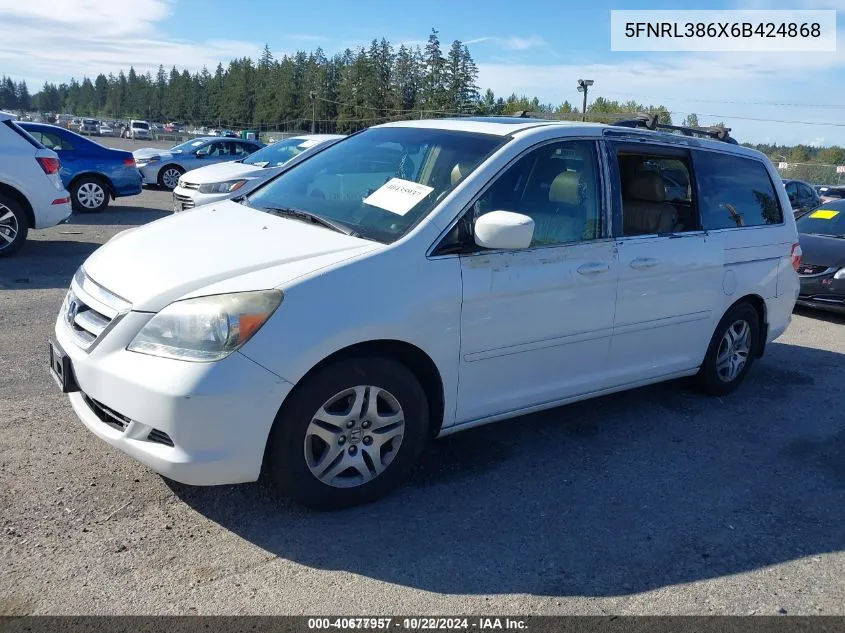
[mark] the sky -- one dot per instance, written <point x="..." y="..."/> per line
<point x="537" y="48"/>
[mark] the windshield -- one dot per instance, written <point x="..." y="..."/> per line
<point x="141" y="126"/>
<point x="827" y="220"/>
<point x="381" y="181"/>
<point x="187" y="146"/>
<point x="279" y="153"/>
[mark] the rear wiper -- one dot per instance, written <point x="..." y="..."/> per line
<point x="310" y="217"/>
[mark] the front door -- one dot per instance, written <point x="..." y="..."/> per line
<point x="536" y="324"/>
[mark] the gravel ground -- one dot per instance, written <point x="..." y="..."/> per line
<point x="655" y="501"/>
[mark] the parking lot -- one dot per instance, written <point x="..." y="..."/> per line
<point x="655" y="501"/>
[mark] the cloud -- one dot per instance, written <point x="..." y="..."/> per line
<point x="717" y="86"/>
<point x="73" y="38"/>
<point x="511" y="43"/>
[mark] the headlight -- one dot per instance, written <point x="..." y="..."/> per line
<point x="206" y="328"/>
<point x="222" y="187"/>
<point x="839" y="274"/>
<point x="142" y="162"/>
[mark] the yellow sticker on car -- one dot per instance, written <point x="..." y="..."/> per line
<point x="824" y="214"/>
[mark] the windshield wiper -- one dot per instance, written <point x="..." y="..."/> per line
<point x="304" y="216"/>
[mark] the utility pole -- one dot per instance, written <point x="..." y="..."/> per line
<point x="313" y="96"/>
<point x="583" y="86"/>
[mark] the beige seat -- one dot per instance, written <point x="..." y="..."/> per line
<point x="458" y="172"/>
<point x="563" y="218"/>
<point x="644" y="209"/>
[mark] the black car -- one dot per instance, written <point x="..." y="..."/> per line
<point x="802" y="196"/>
<point x="828" y="193"/>
<point x="822" y="268"/>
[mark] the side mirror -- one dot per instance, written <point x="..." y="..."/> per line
<point x="504" y="229"/>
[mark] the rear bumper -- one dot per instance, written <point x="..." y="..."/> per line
<point x="47" y="215"/>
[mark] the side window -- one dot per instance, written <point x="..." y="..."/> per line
<point x="656" y="193"/>
<point x="557" y="186"/>
<point x="51" y="141"/>
<point x="806" y="195"/>
<point x="216" y="149"/>
<point x="735" y="192"/>
<point x="792" y="190"/>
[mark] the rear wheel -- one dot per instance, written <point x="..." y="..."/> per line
<point x="89" y="195"/>
<point x="13" y="226"/>
<point x="732" y="350"/>
<point x="168" y="176"/>
<point x="350" y="434"/>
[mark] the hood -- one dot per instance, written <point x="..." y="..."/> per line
<point x="226" y="246"/>
<point x="147" y="152"/>
<point x="822" y="251"/>
<point x="220" y="172"/>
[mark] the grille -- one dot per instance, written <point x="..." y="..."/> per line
<point x="184" y="201"/>
<point x="89" y="310"/>
<point x="811" y="269"/>
<point x="107" y="415"/>
<point x="160" y="437"/>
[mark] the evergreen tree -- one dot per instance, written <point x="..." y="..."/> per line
<point x="434" y="97"/>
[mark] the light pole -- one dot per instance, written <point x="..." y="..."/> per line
<point x="313" y="96"/>
<point x="583" y="86"/>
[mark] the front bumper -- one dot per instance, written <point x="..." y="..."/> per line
<point x="217" y="415"/>
<point x="185" y="199"/>
<point x="149" y="174"/>
<point x="822" y="292"/>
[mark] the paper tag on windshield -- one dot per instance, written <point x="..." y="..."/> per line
<point x="824" y="214"/>
<point x="308" y="143"/>
<point x="398" y="196"/>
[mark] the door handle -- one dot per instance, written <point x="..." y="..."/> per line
<point x="593" y="268"/>
<point x="641" y="263"/>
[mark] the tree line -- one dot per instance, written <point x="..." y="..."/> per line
<point x="343" y="92"/>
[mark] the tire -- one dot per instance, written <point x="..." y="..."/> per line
<point x="297" y="455"/>
<point x="165" y="176"/>
<point x="89" y="194"/>
<point x="14" y="226"/>
<point x="727" y="363"/>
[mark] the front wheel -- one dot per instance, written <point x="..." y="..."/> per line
<point x="731" y="352"/>
<point x="168" y="177"/>
<point x="350" y="434"/>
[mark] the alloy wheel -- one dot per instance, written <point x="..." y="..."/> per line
<point x="170" y="178"/>
<point x="354" y="436"/>
<point x="734" y="350"/>
<point x="8" y="226"/>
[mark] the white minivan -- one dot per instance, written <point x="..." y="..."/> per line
<point x="416" y="279"/>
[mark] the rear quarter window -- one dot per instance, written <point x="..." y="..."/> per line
<point x="735" y="192"/>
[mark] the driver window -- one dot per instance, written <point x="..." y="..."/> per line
<point x="557" y="186"/>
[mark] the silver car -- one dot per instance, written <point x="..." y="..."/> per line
<point x="163" y="167"/>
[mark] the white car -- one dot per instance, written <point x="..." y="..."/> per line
<point x="417" y="279"/>
<point x="32" y="195"/>
<point x="138" y="130"/>
<point x="225" y="180"/>
<point x="106" y="130"/>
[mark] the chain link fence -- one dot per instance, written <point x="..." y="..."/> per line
<point x="813" y="173"/>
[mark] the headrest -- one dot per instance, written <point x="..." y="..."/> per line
<point x="459" y="171"/>
<point x="564" y="188"/>
<point x="647" y="186"/>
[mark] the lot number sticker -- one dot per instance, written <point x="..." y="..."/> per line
<point x="824" y="214"/>
<point x="398" y="196"/>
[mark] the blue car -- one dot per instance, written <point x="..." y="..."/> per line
<point x="92" y="174"/>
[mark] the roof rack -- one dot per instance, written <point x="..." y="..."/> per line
<point x="650" y="122"/>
